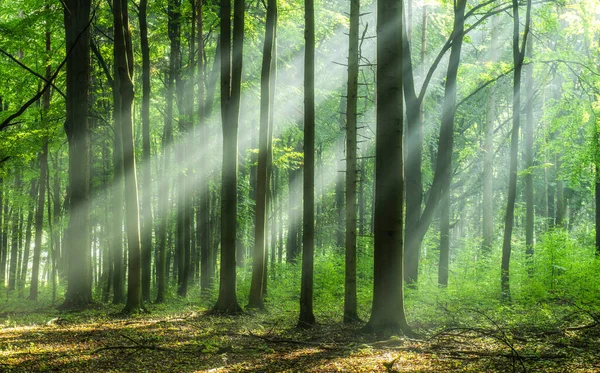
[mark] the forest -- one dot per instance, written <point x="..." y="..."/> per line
<point x="299" y="186"/>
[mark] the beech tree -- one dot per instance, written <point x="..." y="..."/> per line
<point x="77" y="29"/>
<point x="231" y="76"/>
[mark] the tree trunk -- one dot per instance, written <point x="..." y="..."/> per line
<point x="388" y="292"/>
<point x="350" y="306"/>
<point x="488" y="158"/>
<point x="231" y="75"/>
<point x="518" y="56"/>
<point x="164" y="191"/>
<point x="262" y="174"/>
<point x="339" y="181"/>
<point x="146" y="207"/>
<point x="444" y="238"/>
<point x="124" y="64"/>
<point x="39" y="220"/>
<point x="16" y="235"/>
<point x="77" y="22"/>
<point x="306" y="317"/>
<point x="528" y="142"/>
<point x="204" y="186"/>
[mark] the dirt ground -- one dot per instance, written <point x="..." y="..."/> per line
<point x="255" y="342"/>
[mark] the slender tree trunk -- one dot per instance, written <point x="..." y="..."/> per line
<point x="231" y="75"/>
<point x="39" y="221"/>
<point x="307" y="318"/>
<point x="518" y="56"/>
<point x="164" y="190"/>
<point x="33" y="192"/>
<point x="16" y="234"/>
<point x="204" y="186"/>
<point x="388" y="292"/>
<point x="444" y="238"/>
<point x="124" y="63"/>
<point x="262" y="179"/>
<point x="350" y="306"/>
<point x="294" y="219"/>
<point x="488" y="158"/>
<point x="443" y="163"/>
<point x="528" y="142"/>
<point x="3" y="220"/>
<point x="146" y="234"/>
<point x="413" y="143"/>
<point x="77" y="22"/>
<point x="339" y="181"/>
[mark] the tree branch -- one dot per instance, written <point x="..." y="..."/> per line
<point x="31" y="71"/>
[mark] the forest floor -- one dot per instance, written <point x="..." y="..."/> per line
<point x="99" y="340"/>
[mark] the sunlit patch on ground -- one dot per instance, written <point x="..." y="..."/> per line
<point x="265" y="342"/>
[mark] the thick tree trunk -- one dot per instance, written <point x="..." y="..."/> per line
<point x="77" y="21"/>
<point x="124" y="64"/>
<point x="350" y="306"/>
<point x="306" y="317"/>
<point x="262" y="174"/>
<point x="388" y="293"/>
<point x="231" y="75"/>
<point x="518" y="56"/>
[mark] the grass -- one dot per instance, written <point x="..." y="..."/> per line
<point x="552" y="324"/>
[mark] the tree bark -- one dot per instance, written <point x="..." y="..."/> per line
<point x="146" y="207"/>
<point x="528" y="142"/>
<point x="16" y="235"/>
<point x="444" y="238"/>
<point x="388" y="292"/>
<point x="124" y="64"/>
<point x="262" y="174"/>
<point x="350" y="306"/>
<point x="518" y="56"/>
<point x="306" y="317"/>
<point x="231" y="75"/>
<point x="39" y="220"/>
<point x="488" y="158"/>
<point x="77" y="21"/>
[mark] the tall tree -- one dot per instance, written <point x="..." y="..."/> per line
<point x="528" y="154"/>
<point x="16" y="236"/>
<point x="387" y="313"/>
<point x="146" y="207"/>
<point x="350" y="307"/>
<point x="39" y="220"/>
<point x="231" y="79"/>
<point x="262" y="174"/>
<point x="307" y="318"/>
<point x="124" y="64"/>
<point x="77" y="21"/>
<point x="488" y="158"/>
<point x="164" y="193"/>
<point x="518" y="57"/>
